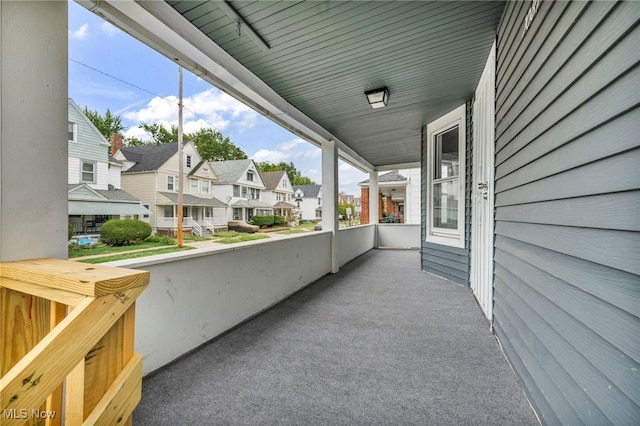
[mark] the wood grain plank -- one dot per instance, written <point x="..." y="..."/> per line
<point x="90" y="280"/>
<point x="61" y="350"/>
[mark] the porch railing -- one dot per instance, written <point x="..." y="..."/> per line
<point x="62" y="319"/>
<point x="172" y="222"/>
<point x="196" y="228"/>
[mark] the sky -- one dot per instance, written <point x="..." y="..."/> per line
<point x="108" y="69"/>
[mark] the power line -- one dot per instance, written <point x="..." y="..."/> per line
<point x="159" y="96"/>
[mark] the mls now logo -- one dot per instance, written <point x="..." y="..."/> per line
<point x="15" y="413"/>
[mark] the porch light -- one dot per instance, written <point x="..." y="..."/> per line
<point x="378" y="98"/>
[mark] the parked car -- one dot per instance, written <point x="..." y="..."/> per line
<point x="318" y="226"/>
<point x="241" y="226"/>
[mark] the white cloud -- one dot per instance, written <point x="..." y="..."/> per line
<point x="109" y="29"/>
<point x="210" y="108"/>
<point x="293" y="150"/>
<point x="81" y="33"/>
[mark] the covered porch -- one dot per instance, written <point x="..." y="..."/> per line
<point x="368" y="345"/>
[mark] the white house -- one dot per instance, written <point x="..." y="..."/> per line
<point x="152" y="174"/>
<point x="278" y="192"/>
<point x="240" y="185"/>
<point x="93" y="177"/>
<point x="308" y="199"/>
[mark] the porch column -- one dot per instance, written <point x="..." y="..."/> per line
<point x="330" y="196"/>
<point x="33" y="135"/>
<point x="373" y="203"/>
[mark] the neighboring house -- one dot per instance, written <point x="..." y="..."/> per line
<point x="310" y="204"/>
<point x="278" y="192"/>
<point x="398" y="194"/>
<point x="240" y="185"/>
<point x="95" y="194"/>
<point x="151" y="173"/>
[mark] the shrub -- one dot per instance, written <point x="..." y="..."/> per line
<point x="278" y="220"/>
<point x="262" y="220"/>
<point x="71" y="232"/>
<point x="124" y="232"/>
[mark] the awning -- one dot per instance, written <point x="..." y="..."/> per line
<point x="105" y="208"/>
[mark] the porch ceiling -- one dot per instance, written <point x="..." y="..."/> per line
<point x="321" y="57"/>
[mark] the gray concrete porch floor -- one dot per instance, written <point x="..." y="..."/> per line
<point x="380" y="342"/>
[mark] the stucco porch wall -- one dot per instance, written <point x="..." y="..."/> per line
<point x="354" y="241"/>
<point x="399" y="235"/>
<point x="197" y="295"/>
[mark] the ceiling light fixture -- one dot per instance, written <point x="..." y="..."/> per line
<point x="378" y="98"/>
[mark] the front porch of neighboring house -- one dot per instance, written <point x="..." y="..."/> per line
<point x="200" y="216"/>
<point x="244" y="209"/>
<point x="284" y="209"/>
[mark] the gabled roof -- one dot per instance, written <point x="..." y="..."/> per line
<point x="310" y="191"/>
<point x="393" y="176"/>
<point x="149" y="157"/>
<point x="272" y="179"/>
<point x="230" y="171"/>
<point x="89" y="123"/>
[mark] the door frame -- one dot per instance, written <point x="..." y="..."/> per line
<point x="482" y="198"/>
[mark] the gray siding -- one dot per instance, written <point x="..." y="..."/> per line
<point x="567" y="235"/>
<point x="450" y="262"/>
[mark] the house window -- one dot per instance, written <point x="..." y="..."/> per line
<point x="168" y="211"/>
<point x="172" y="183"/>
<point x="146" y="215"/>
<point x="205" y="186"/>
<point x="249" y="214"/>
<point x="244" y="192"/>
<point x="255" y="193"/>
<point x="88" y="172"/>
<point x="236" y="190"/>
<point x="445" y="179"/>
<point x="72" y="132"/>
<point x="250" y="176"/>
<point x="193" y="184"/>
<point x="237" y="214"/>
<point x="188" y="161"/>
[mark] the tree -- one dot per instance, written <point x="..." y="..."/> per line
<point x="159" y="133"/>
<point x="295" y="176"/>
<point x="107" y="124"/>
<point x="214" y="146"/>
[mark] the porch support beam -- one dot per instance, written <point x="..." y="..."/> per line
<point x="373" y="203"/>
<point x="33" y="130"/>
<point x="330" y="196"/>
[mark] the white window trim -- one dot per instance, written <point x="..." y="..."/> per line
<point x="75" y="131"/>
<point x="193" y="190"/>
<point x="93" y="173"/>
<point x="449" y="237"/>
<point x="175" y="183"/>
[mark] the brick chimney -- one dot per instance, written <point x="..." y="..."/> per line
<point x="116" y="143"/>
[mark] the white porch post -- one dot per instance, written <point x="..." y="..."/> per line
<point x="330" y="196"/>
<point x="33" y="136"/>
<point x="373" y="203"/>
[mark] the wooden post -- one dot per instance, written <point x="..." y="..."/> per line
<point x="92" y="344"/>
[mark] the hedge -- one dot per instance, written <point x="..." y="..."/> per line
<point x="123" y="232"/>
<point x="267" y="220"/>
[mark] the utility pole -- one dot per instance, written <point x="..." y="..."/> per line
<point x="180" y="165"/>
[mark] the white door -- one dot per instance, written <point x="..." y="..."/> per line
<point x="482" y="194"/>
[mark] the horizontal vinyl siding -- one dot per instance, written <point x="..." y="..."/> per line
<point x="450" y="262"/>
<point x="567" y="235"/>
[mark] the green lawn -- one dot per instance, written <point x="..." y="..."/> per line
<point x="77" y="251"/>
<point x="231" y="237"/>
<point x="135" y="254"/>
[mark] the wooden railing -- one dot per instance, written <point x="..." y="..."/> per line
<point x="70" y="321"/>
